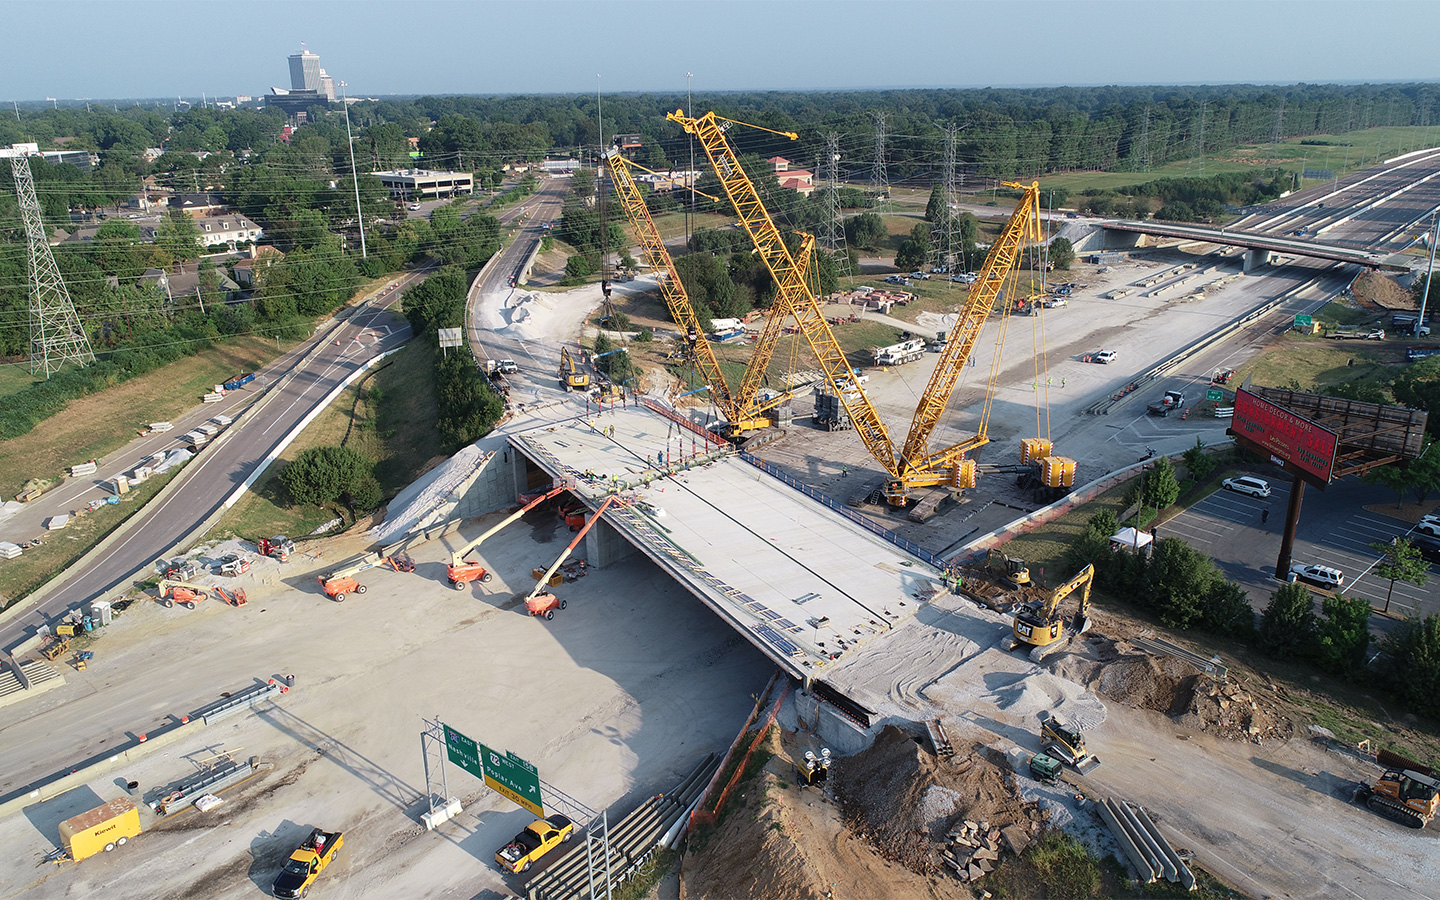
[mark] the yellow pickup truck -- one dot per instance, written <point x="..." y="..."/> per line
<point x="311" y="858"/>
<point x="539" y="838"/>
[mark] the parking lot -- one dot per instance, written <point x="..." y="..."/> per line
<point x="1335" y="530"/>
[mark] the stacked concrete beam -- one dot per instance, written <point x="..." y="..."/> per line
<point x="1143" y="844"/>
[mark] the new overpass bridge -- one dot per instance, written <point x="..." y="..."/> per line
<point x="1261" y="245"/>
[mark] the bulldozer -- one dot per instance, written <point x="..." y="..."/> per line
<point x="1407" y="793"/>
<point x="1039" y="625"/>
<point x="1010" y="568"/>
<point x="1066" y="743"/>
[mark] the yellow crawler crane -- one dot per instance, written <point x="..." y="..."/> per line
<point x="793" y="296"/>
<point x="741" y="410"/>
<point x="914" y="466"/>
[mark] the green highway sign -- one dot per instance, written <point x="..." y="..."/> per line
<point x="1214" y="395"/>
<point x="513" y="777"/>
<point x="463" y="752"/>
<point x="1304" y="322"/>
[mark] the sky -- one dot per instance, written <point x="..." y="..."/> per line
<point x="143" y="49"/>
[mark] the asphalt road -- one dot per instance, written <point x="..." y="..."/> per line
<point x="215" y="473"/>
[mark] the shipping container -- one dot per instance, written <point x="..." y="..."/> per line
<point x="102" y="828"/>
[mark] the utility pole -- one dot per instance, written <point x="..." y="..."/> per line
<point x="1429" y="276"/>
<point x="879" y="179"/>
<point x="56" y="335"/>
<point x="354" y="174"/>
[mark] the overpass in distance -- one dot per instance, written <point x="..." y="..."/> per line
<point x="1260" y="243"/>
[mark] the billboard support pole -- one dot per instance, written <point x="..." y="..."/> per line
<point x="1292" y="518"/>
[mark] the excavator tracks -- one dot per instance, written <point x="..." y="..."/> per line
<point x="1395" y="811"/>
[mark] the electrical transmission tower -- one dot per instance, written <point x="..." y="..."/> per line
<point x="1144" y="155"/>
<point x="945" y="234"/>
<point x="879" y="180"/>
<point x="832" y="235"/>
<point x="1198" y="155"/>
<point x="56" y="336"/>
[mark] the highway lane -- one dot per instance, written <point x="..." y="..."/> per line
<point x="1380" y="208"/>
<point x="489" y="293"/>
<point x="369" y="330"/>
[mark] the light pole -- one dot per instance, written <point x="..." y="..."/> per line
<point x="354" y="173"/>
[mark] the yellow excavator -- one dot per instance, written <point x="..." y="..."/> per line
<point x="1039" y="625"/>
<point x="573" y="376"/>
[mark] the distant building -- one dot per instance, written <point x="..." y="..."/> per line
<point x="197" y="204"/>
<point x="327" y="86"/>
<point x="80" y="159"/>
<point x="251" y="271"/>
<point x="561" y="166"/>
<point x="226" y="229"/>
<point x="304" y="71"/>
<point x="794" y="179"/>
<point x="673" y="180"/>
<point x="422" y="184"/>
<point x="243" y="98"/>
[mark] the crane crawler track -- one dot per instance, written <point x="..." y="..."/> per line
<point x="1394" y="811"/>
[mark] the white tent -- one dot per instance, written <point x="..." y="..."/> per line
<point x="1130" y="539"/>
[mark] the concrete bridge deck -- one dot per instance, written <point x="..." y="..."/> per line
<point x="800" y="581"/>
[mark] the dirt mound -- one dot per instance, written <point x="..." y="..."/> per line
<point x="1193" y="699"/>
<point x="1226" y="710"/>
<point x="903" y="800"/>
<point x="1164" y="685"/>
<point x="1383" y="291"/>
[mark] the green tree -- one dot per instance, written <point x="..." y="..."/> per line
<point x="1287" y="627"/>
<point x="320" y="475"/>
<point x="209" y="281"/>
<point x="578" y="267"/>
<point x="1423" y="474"/>
<point x="1402" y="562"/>
<point x="178" y="237"/>
<point x="1062" y="253"/>
<point x="1177" y="580"/>
<point x="1105" y="523"/>
<point x="911" y="255"/>
<point x="935" y="210"/>
<point x="1343" y="634"/>
<point x="866" y="230"/>
<point x="1226" y="609"/>
<point x="1161" y="488"/>
<point x="1414" y="663"/>
<point x="1392" y="477"/>
<point x="1199" y="463"/>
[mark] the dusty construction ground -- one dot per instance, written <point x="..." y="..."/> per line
<point x="1227" y="769"/>
<point x="616" y="698"/>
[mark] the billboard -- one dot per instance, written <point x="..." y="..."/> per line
<point x="1286" y="436"/>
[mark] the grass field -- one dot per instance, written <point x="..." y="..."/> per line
<point x="93" y="426"/>
<point x="1313" y="363"/>
<point x="16" y="378"/>
<point x="389" y="416"/>
<point x="60" y="549"/>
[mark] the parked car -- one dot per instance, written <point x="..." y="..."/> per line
<point x="413" y="207"/>
<point x="1053" y="302"/>
<point x="1320" y="576"/>
<point x="1104" y="356"/>
<point x="1248" y="484"/>
<point x="1429" y="525"/>
<point x="1428" y="546"/>
<point x="919" y="276"/>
